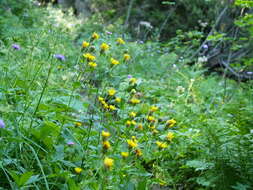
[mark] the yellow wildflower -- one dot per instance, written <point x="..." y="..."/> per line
<point x="89" y="57"/>
<point x="118" y="100"/>
<point x="135" y="101"/>
<point x="112" y="107"/>
<point x="132" y="143"/>
<point x="153" y="108"/>
<point x="95" y="36"/>
<point x="161" y="144"/>
<point x="106" y="106"/>
<point x="124" y="154"/>
<point x="171" y="122"/>
<point x="108" y="162"/>
<point x="151" y="118"/>
<point x="85" y="44"/>
<point x="120" y="41"/>
<point x="78" y="124"/>
<point x="140" y="126"/>
<point x="170" y="136"/>
<point x="104" y="46"/>
<point x="105" y="134"/>
<point x="151" y="127"/>
<point x="126" y="57"/>
<point x="92" y="64"/>
<point x="100" y="99"/>
<point x="132" y="114"/>
<point x="111" y="92"/>
<point x="78" y="170"/>
<point x="128" y="122"/>
<point x="133" y="80"/>
<point x="114" y="61"/>
<point x="138" y="152"/>
<point x="133" y="122"/>
<point x="106" y="145"/>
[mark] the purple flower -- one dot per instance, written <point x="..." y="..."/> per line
<point x="2" y="124"/>
<point x="70" y="143"/>
<point x="129" y="76"/>
<point x="109" y="33"/>
<point x="205" y="46"/>
<point x="15" y="46"/>
<point x="60" y="57"/>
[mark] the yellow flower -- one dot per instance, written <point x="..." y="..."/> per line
<point x="120" y="41"/>
<point x="118" y="100"/>
<point x="153" y="108"/>
<point x="135" y="101"/>
<point x="78" y="124"/>
<point x="124" y="154"/>
<point x="105" y="134"/>
<point x="133" y="122"/>
<point x="92" y="64"/>
<point x="170" y="136"/>
<point x="132" y="143"/>
<point x="140" y="126"/>
<point x="112" y="107"/>
<point x="161" y="144"/>
<point x="111" y="92"/>
<point x="108" y="162"/>
<point x="78" y="170"/>
<point x="106" y="106"/>
<point x="128" y="122"/>
<point x="151" y="118"/>
<point x="104" y="46"/>
<point x="89" y="57"/>
<point x="138" y="152"/>
<point x="132" y="114"/>
<point x="95" y="36"/>
<point x="151" y="126"/>
<point x="100" y="99"/>
<point x="171" y="122"/>
<point x="106" y="145"/>
<point x="133" y="80"/>
<point x="114" y="61"/>
<point x="126" y="57"/>
<point x="85" y="44"/>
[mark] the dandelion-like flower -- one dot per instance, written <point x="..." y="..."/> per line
<point x="153" y="108"/>
<point x="132" y="114"/>
<point x="135" y="101"/>
<point x="112" y="107"/>
<point x="118" y="100"/>
<point x="120" y="41"/>
<point x="138" y="152"/>
<point x="78" y="170"/>
<point x="128" y="122"/>
<point x="114" y="61"/>
<point x="78" y="124"/>
<point x="151" y="118"/>
<point x="161" y="145"/>
<point x="171" y="122"/>
<point x="2" y="124"/>
<point x="140" y="126"/>
<point x="105" y="134"/>
<point x="170" y="136"/>
<point x="126" y="57"/>
<point x="124" y="154"/>
<point x="85" y="44"/>
<point x="89" y="57"/>
<point x="100" y="99"/>
<point x="60" y="57"/>
<point x="92" y="64"/>
<point x="95" y="36"/>
<point x="106" y="145"/>
<point x="104" y="46"/>
<point x="111" y="92"/>
<point x="132" y="143"/>
<point x="108" y="162"/>
<point x="133" y="80"/>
